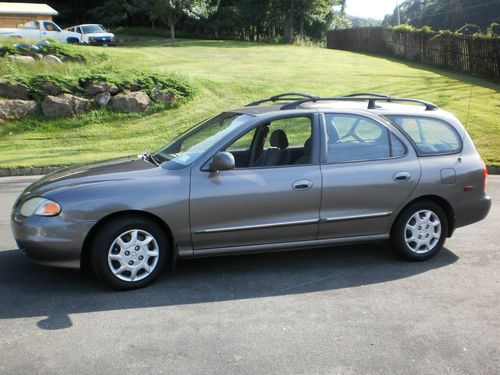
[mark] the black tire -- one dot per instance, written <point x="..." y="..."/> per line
<point x="72" y="41"/>
<point x="414" y="251"/>
<point x="106" y="237"/>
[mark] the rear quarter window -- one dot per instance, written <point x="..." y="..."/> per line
<point x="429" y="135"/>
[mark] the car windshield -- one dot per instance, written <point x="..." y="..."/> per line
<point x="188" y="147"/>
<point x="89" y="29"/>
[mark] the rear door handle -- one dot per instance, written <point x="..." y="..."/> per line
<point x="401" y="176"/>
<point x="302" y="185"/>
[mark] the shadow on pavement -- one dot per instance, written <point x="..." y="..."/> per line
<point x="29" y="290"/>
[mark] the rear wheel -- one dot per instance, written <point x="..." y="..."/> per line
<point x="129" y="253"/>
<point x="420" y="231"/>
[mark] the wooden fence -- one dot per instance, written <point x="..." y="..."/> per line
<point x="455" y="52"/>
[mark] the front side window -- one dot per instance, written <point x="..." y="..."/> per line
<point x="280" y="142"/>
<point x="188" y="147"/>
<point x="50" y="26"/>
<point x="356" y="138"/>
<point x="430" y="136"/>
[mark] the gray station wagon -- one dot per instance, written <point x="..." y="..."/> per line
<point x="292" y="171"/>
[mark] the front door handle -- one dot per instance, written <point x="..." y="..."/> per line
<point x="302" y="185"/>
<point x="401" y="176"/>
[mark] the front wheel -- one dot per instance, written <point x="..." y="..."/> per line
<point x="420" y="231"/>
<point x="72" y="40"/>
<point x="129" y="253"/>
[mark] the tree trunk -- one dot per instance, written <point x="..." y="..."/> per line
<point x="289" y="24"/>
<point x="302" y="36"/>
<point x="171" y="22"/>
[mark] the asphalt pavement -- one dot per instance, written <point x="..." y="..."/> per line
<point x="344" y="310"/>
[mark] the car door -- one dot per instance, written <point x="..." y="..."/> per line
<point x="260" y="203"/>
<point x="51" y="30"/>
<point x="78" y="30"/>
<point x="368" y="172"/>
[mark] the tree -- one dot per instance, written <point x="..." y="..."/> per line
<point x="446" y="14"/>
<point x="173" y="10"/>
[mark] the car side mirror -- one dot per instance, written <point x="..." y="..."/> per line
<point x="222" y="161"/>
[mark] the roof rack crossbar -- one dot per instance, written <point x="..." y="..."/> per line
<point x="288" y="96"/>
<point x="375" y="94"/>
<point x="371" y="101"/>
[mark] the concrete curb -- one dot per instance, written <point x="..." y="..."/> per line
<point x="493" y="170"/>
<point x="8" y="172"/>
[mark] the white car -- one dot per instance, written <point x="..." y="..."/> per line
<point x="93" y="34"/>
<point x="36" y="30"/>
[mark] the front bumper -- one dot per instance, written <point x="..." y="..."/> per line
<point x="51" y="241"/>
<point x="101" y="42"/>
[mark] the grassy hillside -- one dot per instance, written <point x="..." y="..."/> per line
<point x="230" y="74"/>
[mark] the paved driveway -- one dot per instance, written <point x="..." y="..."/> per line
<point x="345" y="310"/>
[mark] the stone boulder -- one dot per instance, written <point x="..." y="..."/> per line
<point x="93" y="88"/>
<point x="166" y="97"/>
<point x="50" y="88"/>
<point x="65" y="105"/>
<point x="52" y="59"/>
<point x="22" y="59"/>
<point x="134" y="87"/>
<point x="11" y="109"/>
<point x="103" y="98"/>
<point x="14" y="90"/>
<point x="131" y="102"/>
<point x="36" y="56"/>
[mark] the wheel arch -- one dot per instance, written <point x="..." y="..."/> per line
<point x="85" y="253"/>
<point x="72" y="40"/>
<point x="443" y="203"/>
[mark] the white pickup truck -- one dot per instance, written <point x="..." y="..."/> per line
<point x="36" y="30"/>
<point x="93" y="34"/>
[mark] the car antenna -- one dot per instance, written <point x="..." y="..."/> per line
<point x="468" y="106"/>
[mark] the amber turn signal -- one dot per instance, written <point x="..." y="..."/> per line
<point x="48" y="208"/>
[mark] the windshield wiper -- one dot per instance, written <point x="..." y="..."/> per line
<point x="150" y="158"/>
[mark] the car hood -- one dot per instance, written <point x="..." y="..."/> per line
<point x="120" y="169"/>
<point x="101" y="35"/>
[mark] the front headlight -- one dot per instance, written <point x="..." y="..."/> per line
<point x="40" y="207"/>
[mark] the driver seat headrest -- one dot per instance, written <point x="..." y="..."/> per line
<point x="279" y="139"/>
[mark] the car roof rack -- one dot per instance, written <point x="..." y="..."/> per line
<point x="361" y="97"/>
<point x="288" y="96"/>
<point x="367" y="94"/>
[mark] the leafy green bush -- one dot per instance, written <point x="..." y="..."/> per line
<point x="61" y="50"/>
<point x="493" y="30"/>
<point x="75" y="85"/>
<point x="467" y="29"/>
<point x="48" y="47"/>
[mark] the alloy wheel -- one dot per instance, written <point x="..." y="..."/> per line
<point x="422" y="231"/>
<point x="133" y="255"/>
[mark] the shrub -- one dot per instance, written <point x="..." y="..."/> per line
<point x="469" y="29"/>
<point x="493" y="30"/>
<point x="149" y="83"/>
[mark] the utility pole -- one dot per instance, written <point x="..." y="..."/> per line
<point x="397" y="13"/>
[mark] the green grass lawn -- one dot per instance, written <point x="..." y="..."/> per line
<point x="229" y="75"/>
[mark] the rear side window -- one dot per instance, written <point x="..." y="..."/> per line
<point x="356" y="138"/>
<point x="430" y="136"/>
